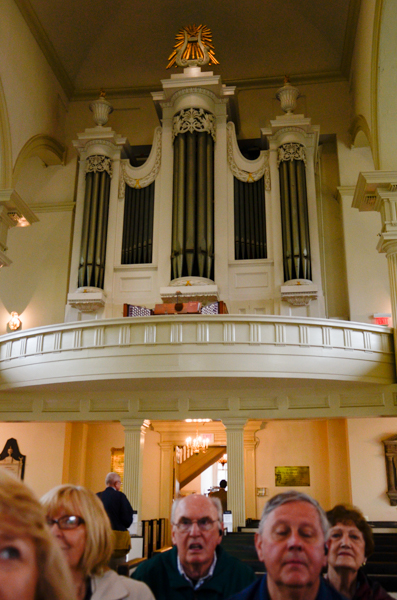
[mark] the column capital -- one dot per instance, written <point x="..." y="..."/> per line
<point x="133" y="425"/>
<point x="372" y="188"/>
<point x="234" y="423"/>
<point x="387" y="243"/>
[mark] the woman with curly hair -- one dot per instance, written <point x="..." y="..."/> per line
<point x="350" y="543"/>
<point x="82" y="529"/>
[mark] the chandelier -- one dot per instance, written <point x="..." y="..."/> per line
<point x="197" y="444"/>
<point x="223" y="460"/>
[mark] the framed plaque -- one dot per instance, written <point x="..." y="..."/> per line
<point x="117" y="463"/>
<point x="292" y="476"/>
<point x="11" y="458"/>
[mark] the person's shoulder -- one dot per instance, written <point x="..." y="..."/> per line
<point x="232" y="562"/>
<point x="138" y="589"/>
<point x="110" y="586"/>
<point x="248" y="593"/>
<point x="155" y="563"/>
<point x="328" y="592"/>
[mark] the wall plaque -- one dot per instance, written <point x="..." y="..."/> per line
<point x="292" y="476"/>
<point x="117" y="463"/>
<point x="11" y="458"/>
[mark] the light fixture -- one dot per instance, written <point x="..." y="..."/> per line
<point x="15" y="322"/>
<point x="223" y="460"/>
<point x="197" y="444"/>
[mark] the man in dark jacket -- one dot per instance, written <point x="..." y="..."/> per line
<point x="197" y="568"/>
<point x="291" y="544"/>
<point x="120" y="513"/>
<point x="116" y="503"/>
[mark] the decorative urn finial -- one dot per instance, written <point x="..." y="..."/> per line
<point x="101" y="109"/>
<point x="288" y="95"/>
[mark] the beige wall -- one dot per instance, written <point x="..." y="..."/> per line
<point x="332" y="247"/>
<point x="289" y="444"/>
<point x="43" y="445"/>
<point x="35" y="100"/>
<point x="387" y="88"/>
<point x="89" y="458"/>
<point x="35" y="285"/>
<point x="361" y="63"/>
<point x="368" y="466"/>
<point x="367" y="273"/>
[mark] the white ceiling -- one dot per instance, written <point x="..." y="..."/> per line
<point x="123" y="45"/>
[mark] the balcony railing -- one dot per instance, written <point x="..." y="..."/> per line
<point x="232" y="346"/>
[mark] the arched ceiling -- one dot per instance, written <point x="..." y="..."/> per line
<point x="123" y="45"/>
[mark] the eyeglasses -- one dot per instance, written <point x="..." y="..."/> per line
<point x="204" y="524"/>
<point x="66" y="522"/>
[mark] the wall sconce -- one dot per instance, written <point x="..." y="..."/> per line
<point x="15" y="322"/>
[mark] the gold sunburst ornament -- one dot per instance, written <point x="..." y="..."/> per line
<point x="193" y="47"/>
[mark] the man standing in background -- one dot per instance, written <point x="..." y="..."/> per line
<point x="120" y="513"/>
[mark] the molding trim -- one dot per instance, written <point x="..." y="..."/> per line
<point x="242" y="84"/>
<point x="5" y="144"/>
<point x="140" y="177"/>
<point x="262" y="163"/>
<point x="47" y="148"/>
<point x="374" y="82"/>
<point x="350" y="36"/>
<point x="360" y="124"/>
<point x="53" y="207"/>
<point x="46" y="46"/>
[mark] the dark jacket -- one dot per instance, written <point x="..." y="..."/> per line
<point x="118" y="508"/>
<point x="369" y="590"/>
<point x="161" y="574"/>
<point x="258" y="591"/>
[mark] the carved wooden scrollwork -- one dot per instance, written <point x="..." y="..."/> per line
<point x="291" y="151"/>
<point x="391" y="460"/>
<point x="98" y="163"/>
<point x="194" y="119"/>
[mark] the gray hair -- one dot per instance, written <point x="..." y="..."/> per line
<point x="111" y="478"/>
<point x="214" y="501"/>
<point x="293" y="496"/>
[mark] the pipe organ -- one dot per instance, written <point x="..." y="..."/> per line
<point x="198" y="218"/>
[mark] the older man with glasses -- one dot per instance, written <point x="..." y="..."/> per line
<point x="197" y="568"/>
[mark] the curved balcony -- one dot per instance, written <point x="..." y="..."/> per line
<point x="222" y="346"/>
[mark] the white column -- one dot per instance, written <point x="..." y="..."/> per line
<point x="250" y="479"/>
<point x="390" y="247"/>
<point x="113" y="253"/>
<point x="166" y="484"/>
<point x="235" y="469"/>
<point x="133" y="457"/>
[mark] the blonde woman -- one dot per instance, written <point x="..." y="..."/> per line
<point x="80" y="525"/>
<point x="31" y="564"/>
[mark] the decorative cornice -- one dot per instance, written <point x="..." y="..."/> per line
<point x="126" y="170"/>
<point x="98" y="163"/>
<point x="145" y="91"/>
<point x="291" y="151"/>
<point x="194" y="119"/>
<point x="53" y="207"/>
<point x="100" y="142"/>
<point x="291" y="129"/>
<point x="193" y="90"/>
<point x="240" y="174"/>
